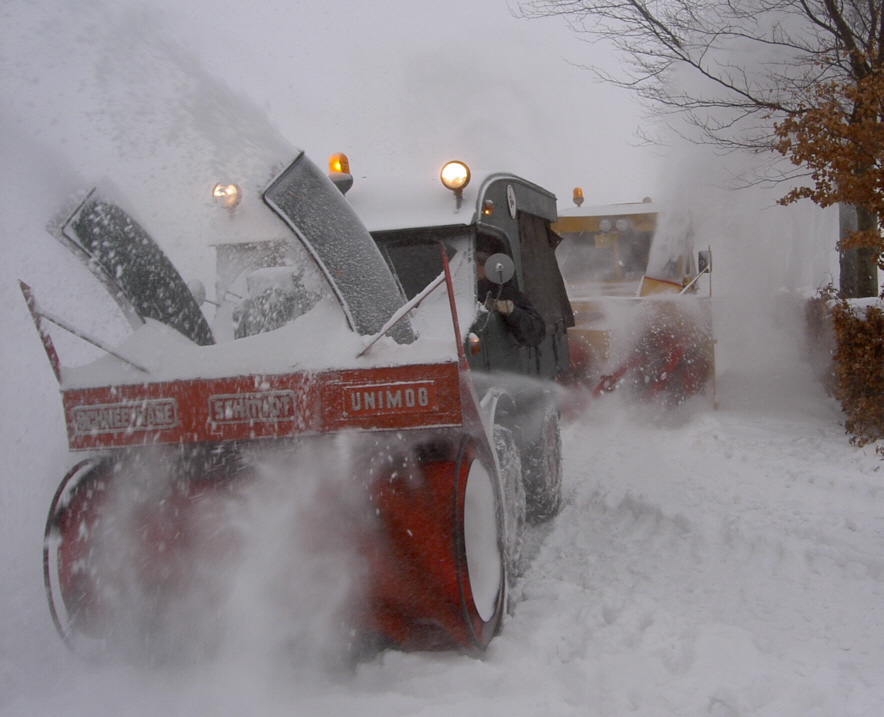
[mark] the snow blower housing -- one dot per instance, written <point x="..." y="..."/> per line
<point x="321" y="330"/>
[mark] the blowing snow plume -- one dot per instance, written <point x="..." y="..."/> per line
<point x="124" y="104"/>
<point x="296" y="592"/>
<point x="171" y="556"/>
<point x="708" y="280"/>
<point x="767" y="259"/>
<point x="138" y="549"/>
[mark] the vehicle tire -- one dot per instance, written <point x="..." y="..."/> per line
<point x="542" y="463"/>
<point x="70" y="589"/>
<point x="513" y="487"/>
<point x="480" y="545"/>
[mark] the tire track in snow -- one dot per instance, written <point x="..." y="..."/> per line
<point x="730" y="559"/>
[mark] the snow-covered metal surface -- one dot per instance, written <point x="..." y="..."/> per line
<point x="134" y="269"/>
<point x="610" y="210"/>
<point x="411" y="200"/>
<point x="319" y="339"/>
<point x="320" y="217"/>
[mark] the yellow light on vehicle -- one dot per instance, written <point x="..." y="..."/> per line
<point x="339" y="171"/>
<point x="455" y="176"/>
<point x="473" y="344"/>
<point x="338" y="163"/>
<point x="578" y="196"/>
<point x="228" y="193"/>
<point x="487" y="207"/>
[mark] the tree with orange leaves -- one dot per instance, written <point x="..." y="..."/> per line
<point x="839" y="138"/>
<point x="801" y="77"/>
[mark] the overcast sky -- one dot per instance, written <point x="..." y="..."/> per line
<point x="392" y="83"/>
<point x="164" y="97"/>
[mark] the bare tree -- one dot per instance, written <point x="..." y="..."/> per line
<point x="738" y="69"/>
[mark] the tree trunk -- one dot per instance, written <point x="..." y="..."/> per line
<point x="859" y="267"/>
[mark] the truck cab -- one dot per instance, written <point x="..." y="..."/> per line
<point x="486" y="218"/>
<point x="487" y="214"/>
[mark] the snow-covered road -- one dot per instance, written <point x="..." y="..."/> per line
<point x="723" y="562"/>
<point x="728" y="566"/>
<point x="718" y="562"/>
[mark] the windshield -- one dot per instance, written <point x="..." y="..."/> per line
<point x="591" y="260"/>
<point x="415" y="258"/>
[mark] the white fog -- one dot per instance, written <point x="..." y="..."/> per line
<point x="709" y="561"/>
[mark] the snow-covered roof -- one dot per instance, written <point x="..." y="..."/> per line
<point x="394" y="202"/>
<point x="610" y="210"/>
<point x="642" y="216"/>
<point x="398" y="202"/>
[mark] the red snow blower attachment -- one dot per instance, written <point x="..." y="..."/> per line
<point x="316" y="370"/>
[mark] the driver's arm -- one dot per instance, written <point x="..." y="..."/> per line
<point x="523" y="320"/>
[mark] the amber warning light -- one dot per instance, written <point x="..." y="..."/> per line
<point x="339" y="171"/>
<point x="578" y="196"/>
<point x="339" y="163"/>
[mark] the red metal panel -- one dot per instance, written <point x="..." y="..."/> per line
<point x="415" y="396"/>
<point x="274" y="406"/>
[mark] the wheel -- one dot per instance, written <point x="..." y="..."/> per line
<point x="480" y="531"/>
<point x="70" y="589"/>
<point x="513" y="485"/>
<point x="542" y="462"/>
<point x="435" y="552"/>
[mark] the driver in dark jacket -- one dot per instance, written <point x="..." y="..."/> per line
<point x="518" y="314"/>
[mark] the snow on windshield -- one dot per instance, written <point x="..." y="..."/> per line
<point x="316" y="338"/>
<point x="321" y="217"/>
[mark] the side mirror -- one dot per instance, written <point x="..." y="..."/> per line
<point x="704" y="261"/>
<point x="499" y="268"/>
<point x="198" y="290"/>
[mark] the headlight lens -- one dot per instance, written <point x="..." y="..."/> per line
<point x="228" y="193"/>
<point x="455" y="176"/>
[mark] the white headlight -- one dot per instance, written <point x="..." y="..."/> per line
<point x="228" y="193"/>
<point x="455" y="176"/>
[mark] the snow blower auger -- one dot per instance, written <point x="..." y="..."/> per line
<point x="315" y="349"/>
<point x="670" y="356"/>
